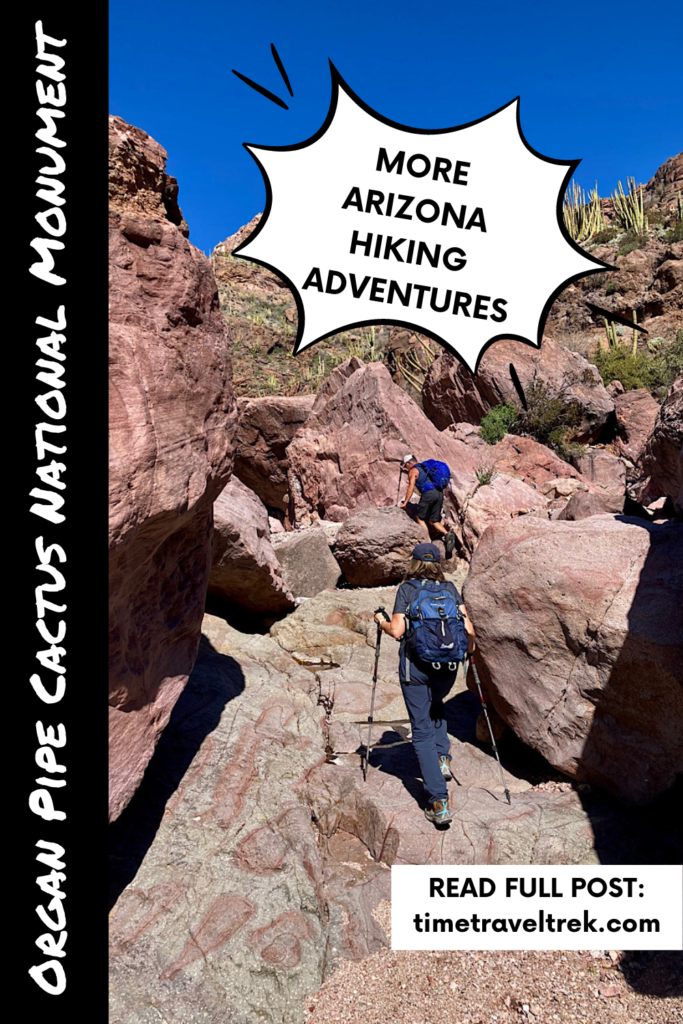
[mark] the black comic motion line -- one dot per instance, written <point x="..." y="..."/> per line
<point x="266" y="92"/>
<point x="339" y="83"/>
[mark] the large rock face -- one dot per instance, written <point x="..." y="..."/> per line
<point x="245" y="570"/>
<point x="580" y="632"/>
<point x="452" y="394"/>
<point x="374" y="547"/>
<point x="265" y="428"/>
<point x="637" y="412"/>
<point x="662" y="459"/>
<point x="348" y="454"/>
<point x="172" y="418"/>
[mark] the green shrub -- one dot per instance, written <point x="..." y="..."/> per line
<point x="611" y="288"/>
<point x="497" y="422"/>
<point x="630" y="242"/>
<point x="549" y="417"/>
<point x="655" y="371"/>
<point x="654" y="216"/>
<point x="675" y="234"/>
<point x="606" y="235"/>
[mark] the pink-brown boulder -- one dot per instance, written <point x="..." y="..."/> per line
<point x="580" y="635"/>
<point x="172" y="417"/>
<point x="308" y="565"/>
<point x="374" y="547"/>
<point x="348" y="454"/>
<point x="585" y="503"/>
<point x="661" y="463"/>
<point x="605" y="471"/>
<point x="452" y="394"/>
<point x="245" y="571"/>
<point x="636" y="412"/>
<point x="265" y="428"/>
<point x="504" y="498"/>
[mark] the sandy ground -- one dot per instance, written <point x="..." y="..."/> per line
<point x="581" y="987"/>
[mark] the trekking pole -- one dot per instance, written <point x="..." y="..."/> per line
<point x="488" y="722"/>
<point x="400" y="476"/>
<point x="368" y="745"/>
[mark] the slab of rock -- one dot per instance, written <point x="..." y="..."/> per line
<point x="602" y="468"/>
<point x="308" y="565"/>
<point x="580" y="632"/>
<point x="228" y="906"/>
<point x="335" y="633"/>
<point x="245" y="570"/>
<point x="374" y="547"/>
<point x="265" y="428"/>
<point x="172" y="417"/>
<point x="348" y="454"/>
<point x="661" y="463"/>
<point x="636" y="412"/>
<point x="539" y="827"/>
<point x="584" y="504"/>
<point x="505" y="497"/>
<point x="451" y="394"/>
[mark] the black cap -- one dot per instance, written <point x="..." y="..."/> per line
<point x="427" y="553"/>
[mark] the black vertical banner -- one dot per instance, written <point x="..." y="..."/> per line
<point x="57" y="295"/>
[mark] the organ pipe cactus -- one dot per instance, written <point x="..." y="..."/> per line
<point x="629" y="207"/>
<point x="583" y="217"/>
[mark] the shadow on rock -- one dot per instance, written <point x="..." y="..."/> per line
<point x="645" y="718"/>
<point x="215" y="680"/>
<point x="654" y="973"/>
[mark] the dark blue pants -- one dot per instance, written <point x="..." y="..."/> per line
<point x="430" y="735"/>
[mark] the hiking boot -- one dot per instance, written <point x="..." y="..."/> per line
<point x="438" y="813"/>
<point x="449" y="543"/>
<point x="445" y="766"/>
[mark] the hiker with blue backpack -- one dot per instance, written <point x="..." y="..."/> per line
<point x="430" y="479"/>
<point x="431" y="622"/>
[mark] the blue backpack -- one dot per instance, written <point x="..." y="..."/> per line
<point x="436" y="633"/>
<point x="438" y="475"/>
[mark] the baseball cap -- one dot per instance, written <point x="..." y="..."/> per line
<point x="427" y="553"/>
<point x="409" y="458"/>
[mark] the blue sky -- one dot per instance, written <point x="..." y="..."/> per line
<point x="600" y="82"/>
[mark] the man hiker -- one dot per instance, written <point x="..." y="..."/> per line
<point x="435" y="631"/>
<point x="428" y="512"/>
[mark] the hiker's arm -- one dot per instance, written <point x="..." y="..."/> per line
<point x="412" y="477"/>
<point x="395" y="628"/>
<point x="469" y="628"/>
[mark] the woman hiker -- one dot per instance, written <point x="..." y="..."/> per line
<point x="425" y="684"/>
<point x="429" y="509"/>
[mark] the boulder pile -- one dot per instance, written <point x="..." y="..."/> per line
<point x="249" y="851"/>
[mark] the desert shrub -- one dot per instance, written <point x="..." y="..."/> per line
<point x="675" y="234"/>
<point x="655" y="371"/>
<point x="667" y="364"/>
<point x="549" y="417"/>
<point x="611" y="288"/>
<point x="497" y="422"/>
<point x="606" y="235"/>
<point x="654" y="216"/>
<point x="631" y="241"/>
<point x="485" y="474"/>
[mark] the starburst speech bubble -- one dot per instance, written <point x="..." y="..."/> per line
<point x="455" y="233"/>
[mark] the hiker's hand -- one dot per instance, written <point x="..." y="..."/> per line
<point x="379" y="618"/>
<point x="403" y="503"/>
<point x="471" y="645"/>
